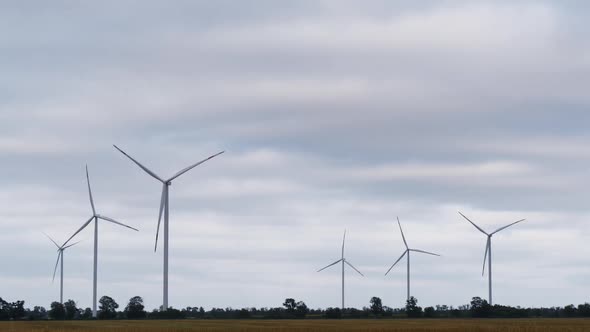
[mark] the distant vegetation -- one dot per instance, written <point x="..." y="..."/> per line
<point x="290" y="309"/>
<point x="299" y="325"/>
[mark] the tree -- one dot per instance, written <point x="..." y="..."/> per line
<point x="169" y="313"/>
<point x="429" y="312"/>
<point x="191" y="312"/>
<point x="480" y="308"/>
<point x="387" y="311"/>
<point x="135" y="308"/>
<point x="333" y="313"/>
<point x="584" y="310"/>
<point x="107" y="308"/>
<point x="243" y="313"/>
<point x="412" y="308"/>
<point x="4" y="310"/>
<point x="290" y="305"/>
<point x="38" y="313"/>
<point x="570" y="310"/>
<point x="376" y="306"/>
<point x="71" y="309"/>
<point x="57" y="311"/>
<point x="301" y="310"/>
<point x="17" y="310"/>
<point x="86" y="313"/>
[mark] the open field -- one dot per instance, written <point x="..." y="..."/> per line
<point x="422" y="325"/>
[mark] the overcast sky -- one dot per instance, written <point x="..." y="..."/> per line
<point x="333" y="115"/>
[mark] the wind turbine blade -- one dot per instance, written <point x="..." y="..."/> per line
<point x="71" y="245"/>
<point x="399" y="259"/>
<point x="116" y="222"/>
<point x="57" y="262"/>
<point x="336" y="262"/>
<point x="79" y="230"/>
<point x="481" y="230"/>
<point x="162" y="203"/>
<point x="403" y="237"/>
<point x="140" y="165"/>
<point x="343" y="239"/>
<point x="424" y="252"/>
<point x="501" y="228"/>
<point x="90" y="191"/>
<point x="359" y="272"/>
<point x="485" y="255"/>
<point x="57" y="245"/>
<point x="193" y="166"/>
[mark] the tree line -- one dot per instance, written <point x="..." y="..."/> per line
<point x="291" y="309"/>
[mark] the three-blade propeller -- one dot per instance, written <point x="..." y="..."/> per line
<point x="408" y="249"/>
<point x="166" y="183"/>
<point x="342" y="259"/>
<point x="95" y="216"/>
<point x="489" y="235"/>
<point x="60" y="250"/>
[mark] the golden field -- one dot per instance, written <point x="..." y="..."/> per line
<point x="421" y="325"/>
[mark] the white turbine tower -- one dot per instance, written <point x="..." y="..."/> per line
<point x="407" y="252"/>
<point x="95" y="217"/>
<point x="488" y="252"/>
<point x="343" y="260"/>
<point x="60" y="257"/>
<point x="164" y="207"/>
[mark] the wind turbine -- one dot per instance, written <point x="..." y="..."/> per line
<point x="95" y="217"/>
<point x="60" y="257"/>
<point x="343" y="260"/>
<point x="165" y="207"/>
<point x="488" y="252"/>
<point x="407" y="252"/>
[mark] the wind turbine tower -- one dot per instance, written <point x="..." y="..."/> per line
<point x="165" y="208"/>
<point x="488" y="252"/>
<point x="95" y="217"/>
<point x="60" y="258"/>
<point x="343" y="261"/>
<point x="407" y="252"/>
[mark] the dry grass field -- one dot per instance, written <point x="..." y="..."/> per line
<point x="399" y="325"/>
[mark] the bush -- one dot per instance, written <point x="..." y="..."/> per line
<point x="71" y="310"/>
<point x="107" y="308"/>
<point x="171" y="313"/>
<point x="412" y="308"/>
<point x="134" y="308"/>
<point x="333" y="313"/>
<point x="429" y="312"/>
<point x="376" y="306"/>
<point x="57" y="311"/>
<point x="480" y="308"/>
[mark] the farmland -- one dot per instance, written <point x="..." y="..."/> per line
<point x="400" y="325"/>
